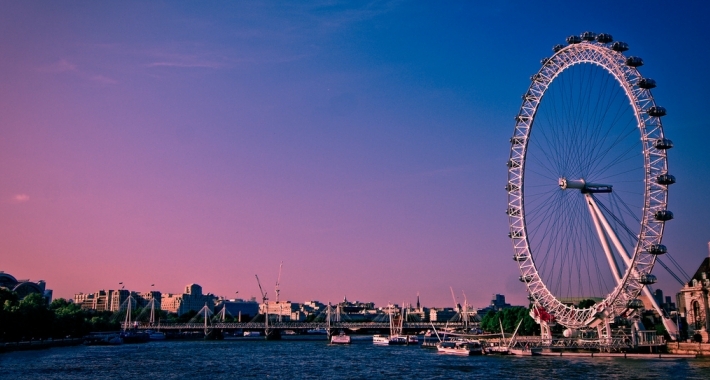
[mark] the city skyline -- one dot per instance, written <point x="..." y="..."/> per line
<point x="364" y="146"/>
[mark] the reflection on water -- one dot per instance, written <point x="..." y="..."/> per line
<point x="315" y="359"/>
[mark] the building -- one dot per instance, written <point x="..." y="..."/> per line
<point x="442" y="314"/>
<point x="694" y="303"/>
<point x="497" y="304"/>
<point x="191" y="300"/>
<point x="23" y="288"/>
<point x="115" y="300"/>
<point x="283" y="310"/>
<point x="240" y="310"/>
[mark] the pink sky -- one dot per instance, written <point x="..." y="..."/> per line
<point x="363" y="147"/>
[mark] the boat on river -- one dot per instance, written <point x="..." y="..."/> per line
<point x="155" y="335"/>
<point x="460" y="347"/>
<point x="341" y="338"/>
<point x="380" y="340"/>
<point x="395" y="338"/>
<point x="526" y="351"/>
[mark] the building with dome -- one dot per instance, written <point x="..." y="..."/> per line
<point x="23" y="288"/>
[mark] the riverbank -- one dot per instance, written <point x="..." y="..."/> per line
<point x="39" y="344"/>
<point x="698" y="349"/>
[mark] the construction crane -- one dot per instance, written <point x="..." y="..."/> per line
<point x="264" y="298"/>
<point x="278" y="281"/>
<point x="456" y="304"/>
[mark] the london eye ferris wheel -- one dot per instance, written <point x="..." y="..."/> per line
<point x="588" y="183"/>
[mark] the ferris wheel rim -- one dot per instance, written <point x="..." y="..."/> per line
<point x="655" y="195"/>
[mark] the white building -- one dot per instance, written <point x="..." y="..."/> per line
<point x="694" y="303"/>
<point x="192" y="299"/>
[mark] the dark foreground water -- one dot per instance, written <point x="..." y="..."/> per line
<point x="315" y="359"/>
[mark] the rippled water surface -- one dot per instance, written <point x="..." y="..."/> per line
<point x="315" y="359"/>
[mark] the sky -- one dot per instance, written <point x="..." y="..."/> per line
<point x="361" y="143"/>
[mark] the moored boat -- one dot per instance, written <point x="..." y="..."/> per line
<point x="341" y="338"/>
<point x="155" y="335"/>
<point x="460" y="347"/>
<point x="526" y="351"/>
<point x="380" y="340"/>
<point x="412" y="340"/>
<point x="133" y="336"/>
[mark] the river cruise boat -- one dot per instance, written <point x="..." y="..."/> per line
<point x="460" y="347"/>
<point x="380" y="340"/>
<point x="341" y="338"/>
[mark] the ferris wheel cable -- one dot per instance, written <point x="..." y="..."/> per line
<point x="658" y="260"/>
<point x="619" y="221"/>
<point x="597" y="154"/>
<point x="579" y="140"/>
<point x="675" y="263"/>
<point x="601" y="154"/>
<point x="618" y="160"/>
<point x="596" y="161"/>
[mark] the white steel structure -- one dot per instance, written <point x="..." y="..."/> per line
<point x="588" y="184"/>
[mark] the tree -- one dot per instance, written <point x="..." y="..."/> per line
<point x="8" y="320"/>
<point x="69" y="319"/>
<point x="33" y="320"/>
<point x="509" y="318"/>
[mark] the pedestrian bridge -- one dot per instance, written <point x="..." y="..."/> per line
<point x="298" y="325"/>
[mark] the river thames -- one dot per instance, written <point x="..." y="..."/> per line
<point x="314" y="359"/>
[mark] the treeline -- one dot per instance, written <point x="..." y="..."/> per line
<point x="509" y="318"/>
<point x="31" y="318"/>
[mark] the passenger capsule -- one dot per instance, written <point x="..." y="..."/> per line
<point x="665" y="179"/>
<point x="513" y="211"/>
<point x="557" y="48"/>
<point x="544" y="60"/>
<point x="619" y="46"/>
<point x="634" y="61"/>
<point x="657" y="249"/>
<point x="663" y="144"/>
<point x="647" y="279"/>
<point x="573" y="40"/>
<point x="663" y="215"/>
<point x="513" y="164"/>
<point x="656" y="111"/>
<point x="517" y="140"/>
<point x="647" y="83"/>
<point x="528" y="97"/>
<point x="526" y="279"/>
<point x="588" y="36"/>
<point x="604" y="38"/>
<point x="520" y="257"/>
<point x="634" y="304"/>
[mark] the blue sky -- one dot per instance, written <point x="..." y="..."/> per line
<point x="364" y="144"/>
